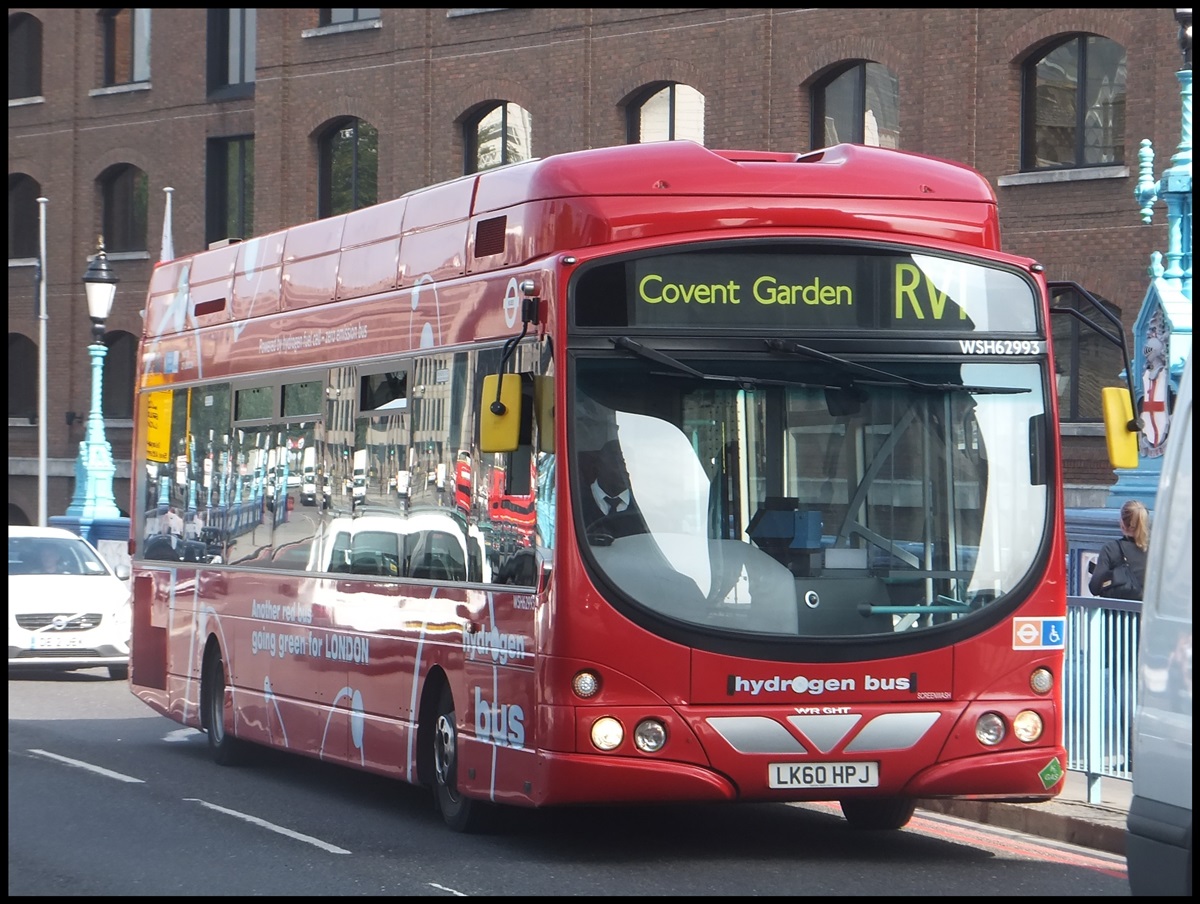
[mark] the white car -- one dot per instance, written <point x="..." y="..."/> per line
<point x="67" y="607"/>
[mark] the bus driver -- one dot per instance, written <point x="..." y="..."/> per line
<point x="608" y="503"/>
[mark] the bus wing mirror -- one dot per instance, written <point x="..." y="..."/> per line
<point x="1120" y="428"/>
<point x="500" y="413"/>
<point x="543" y="409"/>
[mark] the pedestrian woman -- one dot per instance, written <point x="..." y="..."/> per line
<point x="1120" y="571"/>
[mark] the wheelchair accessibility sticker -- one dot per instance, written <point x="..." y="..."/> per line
<point x="1039" y="633"/>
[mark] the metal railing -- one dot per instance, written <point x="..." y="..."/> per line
<point x="1100" y="688"/>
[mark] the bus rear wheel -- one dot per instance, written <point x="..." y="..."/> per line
<point x="461" y="813"/>
<point x="226" y="750"/>
<point x="881" y="814"/>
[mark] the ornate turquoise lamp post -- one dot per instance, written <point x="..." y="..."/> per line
<point x="1162" y="332"/>
<point x="94" y="469"/>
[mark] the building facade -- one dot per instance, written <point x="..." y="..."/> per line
<point x="261" y="119"/>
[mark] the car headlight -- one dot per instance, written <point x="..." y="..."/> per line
<point x="650" y="736"/>
<point x="989" y="729"/>
<point x="607" y="733"/>
<point x="1027" y="726"/>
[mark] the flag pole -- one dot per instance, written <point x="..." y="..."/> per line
<point x="42" y="357"/>
<point x="168" y="241"/>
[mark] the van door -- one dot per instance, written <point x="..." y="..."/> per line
<point x="1159" y="827"/>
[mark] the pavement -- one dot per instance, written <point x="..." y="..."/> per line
<point x="1069" y="817"/>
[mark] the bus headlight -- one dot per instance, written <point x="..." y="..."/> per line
<point x="607" y="733"/>
<point x="650" y="736"/>
<point x="989" y="729"/>
<point x="1027" y="726"/>
<point x="585" y="684"/>
<point x="1041" y="681"/>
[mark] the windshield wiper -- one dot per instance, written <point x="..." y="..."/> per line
<point x="883" y="377"/>
<point x="653" y="354"/>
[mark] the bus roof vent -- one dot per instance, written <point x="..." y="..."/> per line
<point x="489" y="236"/>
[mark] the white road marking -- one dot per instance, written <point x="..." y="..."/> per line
<point x="254" y="820"/>
<point x="108" y="773"/>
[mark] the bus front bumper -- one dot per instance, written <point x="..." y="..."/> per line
<point x="1022" y="776"/>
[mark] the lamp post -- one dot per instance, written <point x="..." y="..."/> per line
<point x="94" y="469"/>
<point x="1162" y="331"/>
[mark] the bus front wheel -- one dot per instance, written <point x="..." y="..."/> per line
<point x="880" y="814"/>
<point x="461" y="813"/>
<point x="226" y="750"/>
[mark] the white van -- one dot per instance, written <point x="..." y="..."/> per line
<point x="1158" y="838"/>
<point x="359" y="485"/>
<point x="308" y="483"/>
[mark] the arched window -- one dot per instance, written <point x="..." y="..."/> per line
<point x="24" y="56"/>
<point x="1084" y="361"/>
<point x="119" y="372"/>
<point x="497" y="134"/>
<point x="23" y="229"/>
<point x="859" y="103"/>
<point x="125" y="198"/>
<point x="1073" y="105"/>
<point x="22" y="391"/>
<point x="349" y="167"/>
<point x="665" y="111"/>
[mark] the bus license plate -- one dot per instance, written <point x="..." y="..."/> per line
<point x="823" y="775"/>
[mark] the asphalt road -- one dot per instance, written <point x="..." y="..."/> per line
<point x="109" y="798"/>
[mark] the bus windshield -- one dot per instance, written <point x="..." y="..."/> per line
<point x="784" y="496"/>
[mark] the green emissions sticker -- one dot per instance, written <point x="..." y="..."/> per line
<point x="1051" y="773"/>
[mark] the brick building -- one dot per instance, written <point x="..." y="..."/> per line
<point x="259" y="119"/>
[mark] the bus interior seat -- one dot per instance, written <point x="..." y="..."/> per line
<point x="771" y="586"/>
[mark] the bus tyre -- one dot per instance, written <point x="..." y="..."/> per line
<point x="881" y="814"/>
<point x="226" y="750"/>
<point x="461" y="813"/>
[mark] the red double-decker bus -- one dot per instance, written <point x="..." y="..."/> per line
<point x="800" y="531"/>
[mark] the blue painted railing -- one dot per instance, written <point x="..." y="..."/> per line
<point x="1100" y="688"/>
